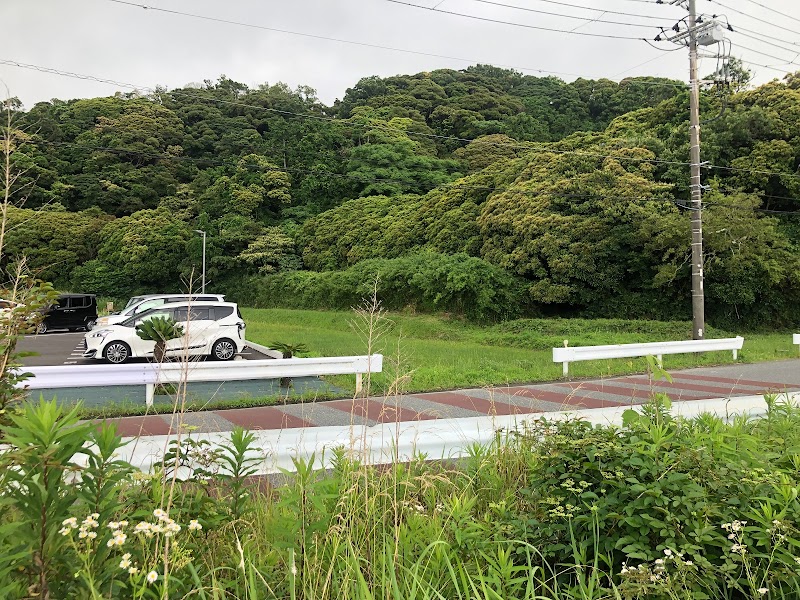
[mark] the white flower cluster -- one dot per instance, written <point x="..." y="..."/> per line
<point x="86" y="528"/>
<point x="657" y="571"/>
<point x="735" y="531"/>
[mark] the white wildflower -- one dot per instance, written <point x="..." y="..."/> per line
<point x="762" y="591"/>
<point x="161" y="516"/>
<point x="194" y="525"/>
<point x="71" y="522"/>
<point x="152" y="576"/>
<point x="133" y="571"/>
<point x="667" y="552"/>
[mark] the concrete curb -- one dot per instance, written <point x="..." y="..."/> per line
<point x="263" y="349"/>
<point x="436" y="439"/>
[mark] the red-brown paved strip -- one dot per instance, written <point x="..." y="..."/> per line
<point x="377" y="410"/>
<point x="764" y="385"/>
<point x="265" y="417"/>
<point x="610" y="389"/>
<point x="679" y="386"/>
<point x="146" y="425"/>
<point x="556" y="398"/>
<point x="481" y="405"/>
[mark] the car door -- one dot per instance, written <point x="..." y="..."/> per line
<point x="142" y="347"/>
<point x="57" y="315"/>
<point x="74" y="315"/>
<point x="201" y="330"/>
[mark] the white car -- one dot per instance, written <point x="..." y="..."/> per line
<point x="139" y="304"/>
<point x="214" y="329"/>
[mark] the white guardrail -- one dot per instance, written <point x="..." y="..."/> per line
<point x="151" y="374"/>
<point x="568" y="354"/>
<point x="796" y="339"/>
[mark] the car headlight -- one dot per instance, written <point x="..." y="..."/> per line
<point x="99" y="334"/>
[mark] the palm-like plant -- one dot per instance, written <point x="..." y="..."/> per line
<point x="288" y="351"/>
<point x="159" y="330"/>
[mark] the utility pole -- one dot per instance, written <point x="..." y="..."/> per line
<point x="698" y="295"/>
<point x="704" y="33"/>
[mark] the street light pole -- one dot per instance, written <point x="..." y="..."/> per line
<point x="203" y="233"/>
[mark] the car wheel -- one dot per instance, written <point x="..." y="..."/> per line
<point x="223" y="349"/>
<point x="90" y="325"/>
<point x="117" y="353"/>
<point x="41" y="328"/>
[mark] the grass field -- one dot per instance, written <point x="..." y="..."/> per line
<point x="437" y="353"/>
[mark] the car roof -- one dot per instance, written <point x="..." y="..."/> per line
<point x="194" y="303"/>
<point x="187" y="294"/>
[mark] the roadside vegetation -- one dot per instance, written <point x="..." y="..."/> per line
<point x="660" y="508"/>
<point x="439" y="352"/>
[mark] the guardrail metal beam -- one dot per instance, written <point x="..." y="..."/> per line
<point x="152" y="374"/>
<point x="568" y="354"/>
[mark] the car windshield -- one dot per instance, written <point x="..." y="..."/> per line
<point x="134" y="300"/>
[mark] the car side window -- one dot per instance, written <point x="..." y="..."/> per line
<point x="78" y="302"/>
<point x="166" y="313"/>
<point x="199" y="314"/>
<point x="181" y="314"/>
<point x="220" y="312"/>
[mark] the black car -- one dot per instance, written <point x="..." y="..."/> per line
<point x="70" y="311"/>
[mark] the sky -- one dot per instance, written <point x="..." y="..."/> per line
<point x="145" y="48"/>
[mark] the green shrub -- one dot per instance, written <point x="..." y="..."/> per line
<point x="424" y="282"/>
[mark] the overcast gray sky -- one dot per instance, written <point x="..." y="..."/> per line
<point x="105" y="39"/>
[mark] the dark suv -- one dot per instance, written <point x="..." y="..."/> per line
<point x="70" y="311"/>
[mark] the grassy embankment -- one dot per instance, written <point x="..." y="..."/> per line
<point x="439" y="353"/>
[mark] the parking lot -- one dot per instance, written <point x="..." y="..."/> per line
<point x="65" y="348"/>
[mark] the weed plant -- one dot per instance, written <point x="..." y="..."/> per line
<point x="658" y="508"/>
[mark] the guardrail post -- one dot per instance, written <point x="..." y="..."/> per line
<point x="735" y="354"/>
<point x="565" y="369"/>
<point x="359" y="382"/>
<point x="660" y="361"/>
<point x="149" y="393"/>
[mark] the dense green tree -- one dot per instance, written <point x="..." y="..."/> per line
<point x="144" y="251"/>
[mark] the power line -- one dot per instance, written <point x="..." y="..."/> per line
<point x="600" y="10"/>
<point x="363" y="44"/>
<point x="519" y="146"/>
<point x="744" y="14"/>
<point x="774" y="10"/>
<point x="774" y="45"/>
<point x="755" y="64"/>
<point x="512" y="23"/>
<point x="740" y="29"/>
<point x="783" y="60"/>
<point x="554" y="14"/>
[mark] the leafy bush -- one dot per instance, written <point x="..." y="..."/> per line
<point x="424" y="281"/>
<point x="659" y="508"/>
